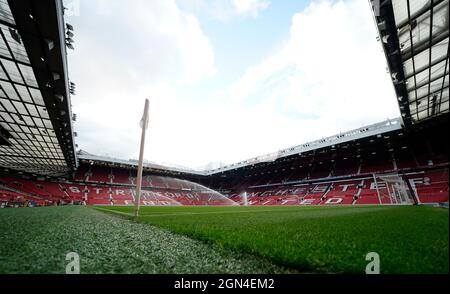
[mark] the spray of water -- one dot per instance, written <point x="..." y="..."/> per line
<point x="244" y="198"/>
<point x="158" y="190"/>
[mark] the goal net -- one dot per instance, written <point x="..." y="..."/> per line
<point x="392" y="189"/>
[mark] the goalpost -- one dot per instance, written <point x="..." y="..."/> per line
<point x="393" y="189"/>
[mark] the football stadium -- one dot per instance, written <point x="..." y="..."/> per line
<point x="373" y="199"/>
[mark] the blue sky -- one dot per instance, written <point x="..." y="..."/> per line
<point x="227" y="79"/>
<point x="241" y="41"/>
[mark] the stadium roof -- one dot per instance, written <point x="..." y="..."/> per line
<point x="352" y="135"/>
<point x="35" y="112"/>
<point x="415" y="37"/>
<point x="88" y="157"/>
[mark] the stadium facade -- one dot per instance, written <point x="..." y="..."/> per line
<point x="395" y="162"/>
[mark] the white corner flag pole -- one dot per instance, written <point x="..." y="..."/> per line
<point x="144" y="126"/>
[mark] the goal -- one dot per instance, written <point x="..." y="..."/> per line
<point x="393" y="189"/>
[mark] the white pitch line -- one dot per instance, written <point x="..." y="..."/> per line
<point x="210" y="212"/>
<point x="114" y="211"/>
<point x="191" y="213"/>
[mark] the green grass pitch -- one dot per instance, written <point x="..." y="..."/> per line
<point x="288" y="239"/>
<point x="318" y="239"/>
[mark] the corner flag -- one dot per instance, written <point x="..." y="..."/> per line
<point x="144" y="125"/>
<point x="144" y="120"/>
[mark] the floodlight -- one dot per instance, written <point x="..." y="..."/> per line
<point x="59" y="97"/>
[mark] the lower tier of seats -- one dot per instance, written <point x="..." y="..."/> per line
<point x="425" y="187"/>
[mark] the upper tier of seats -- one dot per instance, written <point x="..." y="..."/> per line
<point x="300" y="170"/>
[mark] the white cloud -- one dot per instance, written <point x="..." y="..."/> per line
<point x="124" y="54"/>
<point x="250" y="7"/>
<point x="193" y="48"/>
<point x="196" y="53"/>
<point x="332" y="70"/>
<point x="328" y="76"/>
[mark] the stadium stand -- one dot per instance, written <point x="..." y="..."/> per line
<point x="430" y="185"/>
<point x="338" y="175"/>
<point x="120" y="176"/>
<point x="344" y="169"/>
<point x="99" y="174"/>
<point x="82" y="173"/>
<point x="346" y="166"/>
<point x="376" y="165"/>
